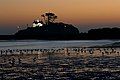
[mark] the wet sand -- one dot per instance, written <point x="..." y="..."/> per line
<point x="67" y="63"/>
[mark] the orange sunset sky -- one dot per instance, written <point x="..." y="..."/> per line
<point x="84" y="14"/>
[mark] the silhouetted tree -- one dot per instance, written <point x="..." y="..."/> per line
<point x="104" y="33"/>
<point x="49" y="17"/>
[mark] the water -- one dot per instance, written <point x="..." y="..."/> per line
<point x="36" y="44"/>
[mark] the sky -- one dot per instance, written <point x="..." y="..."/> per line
<point x="84" y="14"/>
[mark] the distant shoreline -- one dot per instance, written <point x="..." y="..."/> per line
<point x="12" y="38"/>
<point x="93" y="34"/>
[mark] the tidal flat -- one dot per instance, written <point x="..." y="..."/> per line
<point x="61" y="63"/>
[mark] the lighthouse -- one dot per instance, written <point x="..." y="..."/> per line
<point x="37" y="23"/>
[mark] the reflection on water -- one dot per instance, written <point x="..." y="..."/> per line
<point x="37" y="44"/>
<point x="61" y="64"/>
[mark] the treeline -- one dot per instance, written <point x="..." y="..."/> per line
<point x="93" y="34"/>
<point x="101" y="33"/>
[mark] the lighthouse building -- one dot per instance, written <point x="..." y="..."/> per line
<point x="37" y="23"/>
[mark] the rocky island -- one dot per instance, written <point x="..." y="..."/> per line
<point x="48" y="29"/>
